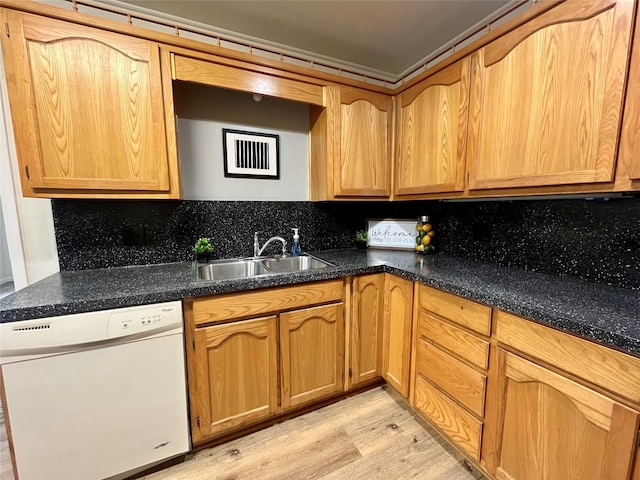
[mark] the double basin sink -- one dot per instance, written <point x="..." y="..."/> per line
<point x="228" y="269"/>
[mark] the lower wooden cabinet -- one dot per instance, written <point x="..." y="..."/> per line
<point x="551" y="427"/>
<point x="245" y="370"/>
<point x="237" y="375"/>
<point x="312" y="351"/>
<point x="398" y="321"/>
<point x="367" y="310"/>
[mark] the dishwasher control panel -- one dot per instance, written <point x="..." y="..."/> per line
<point x="144" y="319"/>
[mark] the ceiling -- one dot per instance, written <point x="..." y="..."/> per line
<point x="386" y="36"/>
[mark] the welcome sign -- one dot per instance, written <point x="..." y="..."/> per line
<point x="391" y="233"/>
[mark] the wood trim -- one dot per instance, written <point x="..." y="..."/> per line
<point x="175" y="184"/>
<point x="224" y="76"/>
<point x="348" y="95"/>
<point x="225" y="307"/>
<point x="494" y="411"/>
<point x="173" y="40"/>
<point x="611" y="370"/>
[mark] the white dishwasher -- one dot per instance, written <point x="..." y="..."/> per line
<point x="95" y="395"/>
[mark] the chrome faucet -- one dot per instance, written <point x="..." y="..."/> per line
<point x="257" y="250"/>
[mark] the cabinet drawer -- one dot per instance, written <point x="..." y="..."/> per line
<point x="604" y="367"/>
<point x="454" y="339"/>
<point x="241" y="305"/>
<point x="460" y="381"/>
<point x="464" y="312"/>
<point x="454" y="421"/>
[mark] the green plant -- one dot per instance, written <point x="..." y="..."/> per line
<point x="361" y="236"/>
<point x="203" y="246"/>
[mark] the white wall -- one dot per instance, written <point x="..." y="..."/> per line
<point x="5" y="263"/>
<point x="204" y="111"/>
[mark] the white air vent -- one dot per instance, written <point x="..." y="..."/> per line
<point x="42" y="326"/>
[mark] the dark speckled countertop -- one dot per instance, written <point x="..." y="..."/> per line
<point x="609" y="315"/>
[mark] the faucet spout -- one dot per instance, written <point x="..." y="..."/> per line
<point x="257" y="250"/>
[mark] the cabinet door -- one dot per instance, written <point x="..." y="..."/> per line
<point x="432" y="133"/>
<point x="547" y="98"/>
<point x="312" y="349"/>
<point x="571" y="431"/>
<point x="236" y="376"/>
<point x="396" y="350"/>
<point x="366" y="328"/>
<point x="630" y="141"/>
<point x="87" y="108"/>
<point x="363" y="140"/>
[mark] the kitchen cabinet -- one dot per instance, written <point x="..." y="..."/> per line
<point x="547" y="98"/>
<point x="238" y="375"/>
<point x="450" y="361"/>
<point x="350" y="145"/>
<point x="571" y="430"/>
<point x="208" y="70"/>
<point x="254" y="355"/>
<point x="312" y="351"/>
<point x="367" y="311"/>
<point x="397" y="325"/>
<point x="629" y="159"/>
<point x="92" y="111"/>
<point x="431" y="133"/>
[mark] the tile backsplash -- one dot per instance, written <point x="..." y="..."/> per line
<point x="595" y="240"/>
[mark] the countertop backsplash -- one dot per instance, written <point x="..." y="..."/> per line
<point x="595" y="240"/>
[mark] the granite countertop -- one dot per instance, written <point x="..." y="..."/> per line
<point x="609" y="315"/>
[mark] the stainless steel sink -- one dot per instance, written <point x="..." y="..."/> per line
<point x="250" y="267"/>
<point x="228" y="269"/>
<point x="293" y="264"/>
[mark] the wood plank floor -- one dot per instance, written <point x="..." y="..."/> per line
<point x="366" y="437"/>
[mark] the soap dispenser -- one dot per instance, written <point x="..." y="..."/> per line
<point x="296" y="251"/>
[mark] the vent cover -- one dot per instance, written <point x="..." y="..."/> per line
<point x="42" y="326"/>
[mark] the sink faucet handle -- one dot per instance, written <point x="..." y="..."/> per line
<point x="256" y="244"/>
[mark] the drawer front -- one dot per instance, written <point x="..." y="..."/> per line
<point x="469" y="314"/>
<point x="460" y="381"/>
<point x="454" y="339"/>
<point x="454" y="421"/>
<point x="602" y="366"/>
<point x="258" y="302"/>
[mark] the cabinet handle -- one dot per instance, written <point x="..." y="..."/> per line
<point x="26" y="171"/>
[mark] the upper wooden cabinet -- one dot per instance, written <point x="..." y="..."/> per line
<point x="431" y="133"/>
<point x="547" y="98"/>
<point x="88" y="110"/>
<point x="351" y="145"/>
<point x="629" y="159"/>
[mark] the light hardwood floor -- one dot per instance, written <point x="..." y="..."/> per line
<point x="368" y="436"/>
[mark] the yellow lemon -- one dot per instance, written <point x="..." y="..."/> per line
<point x="419" y="248"/>
<point x="419" y="228"/>
<point x="432" y="233"/>
<point x="427" y="227"/>
<point x="426" y="240"/>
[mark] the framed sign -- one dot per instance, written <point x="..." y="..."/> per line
<point x="391" y="233"/>
<point x="251" y="154"/>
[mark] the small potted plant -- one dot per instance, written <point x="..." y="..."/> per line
<point x="361" y="239"/>
<point x="203" y="249"/>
